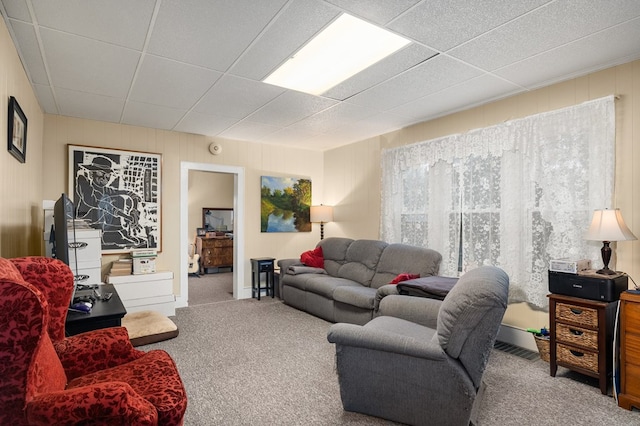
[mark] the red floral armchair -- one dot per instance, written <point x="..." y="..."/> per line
<point x="93" y="378"/>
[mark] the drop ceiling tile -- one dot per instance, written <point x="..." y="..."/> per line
<point x="358" y="131"/>
<point x="380" y="123"/>
<point x="381" y="71"/>
<point x="299" y="21"/>
<point x="248" y="131"/>
<point x="17" y="9"/>
<point x="288" y="136"/>
<point x="45" y="99"/>
<point x="548" y="27"/>
<point x="209" y="34"/>
<point x="290" y="107"/>
<point x="86" y="65"/>
<point x="429" y="77"/>
<point x="182" y="84"/>
<point x="378" y="11"/>
<point x="154" y="116"/>
<point x="332" y="118"/>
<point x="462" y="96"/>
<point x="30" y="51"/>
<point x="90" y="106"/>
<point x="121" y="22"/>
<point x="607" y="48"/>
<point x="204" y="124"/>
<point x="443" y="24"/>
<point x="236" y="97"/>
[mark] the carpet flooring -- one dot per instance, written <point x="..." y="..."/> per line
<point x="250" y="362"/>
<point x="210" y="288"/>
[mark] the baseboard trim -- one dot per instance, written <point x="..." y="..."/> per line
<point x="517" y="337"/>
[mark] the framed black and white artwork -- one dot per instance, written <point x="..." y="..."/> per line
<point x="118" y="192"/>
<point x="17" y="131"/>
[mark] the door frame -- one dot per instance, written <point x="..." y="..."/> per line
<point x="238" y="222"/>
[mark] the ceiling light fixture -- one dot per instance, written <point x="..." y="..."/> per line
<point x="346" y="47"/>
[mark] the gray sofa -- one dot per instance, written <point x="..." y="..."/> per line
<point x="421" y="361"/>
<point x="356" y="276"/>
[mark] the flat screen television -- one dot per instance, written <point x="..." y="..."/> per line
<point x="63" y="211"/>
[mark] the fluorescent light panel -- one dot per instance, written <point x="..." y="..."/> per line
<point x="343" y="49"/>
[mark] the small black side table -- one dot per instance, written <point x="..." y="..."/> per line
<point x="104" y="314"/>
<point x="258" y="266"/>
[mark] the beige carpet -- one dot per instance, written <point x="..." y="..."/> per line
<point x="248" y="363"/>
<point x="210" y="288"/>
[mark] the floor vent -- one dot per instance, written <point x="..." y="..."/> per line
<point x="516" y="350"/>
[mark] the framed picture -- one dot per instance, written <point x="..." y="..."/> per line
<point x="118" y="192"/>
<point x="285" y="204"/>
<point x="201" y="232"/>
<point x="217" y="219"/>
<point x="17" y="134"/>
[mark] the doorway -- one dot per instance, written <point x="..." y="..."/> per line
<point x="238" y="207"/>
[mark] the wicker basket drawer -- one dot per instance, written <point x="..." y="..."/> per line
<point x="577" y="314"/>
<point x="577" y="336"/>
<point x="582" y="359"/>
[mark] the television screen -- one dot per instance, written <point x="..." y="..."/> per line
<point x="62" y="212"/>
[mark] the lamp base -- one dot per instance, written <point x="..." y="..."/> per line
<point x="606" y="271"/>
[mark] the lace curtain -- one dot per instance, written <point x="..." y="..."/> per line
<point x="514" y="195"/>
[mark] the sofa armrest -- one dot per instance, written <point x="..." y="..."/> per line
<point x="381" y="293"/>
<point x="285" y="263"/>
<point x="381" y="340"/>
<point x="419" y="310"/>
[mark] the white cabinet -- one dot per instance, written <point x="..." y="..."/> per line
<point x="85" y="255"/>
<point x="146" y="292"/>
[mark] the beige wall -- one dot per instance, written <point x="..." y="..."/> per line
<point x="358" y="204"/>
<point x="21" y="216"/>
<point x="207" y="189"/>
<point x="175" y="147"/>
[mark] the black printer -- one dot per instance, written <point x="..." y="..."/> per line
<point x="589" y="285"/>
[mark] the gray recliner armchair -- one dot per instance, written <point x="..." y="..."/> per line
<point x="425" y="369"/>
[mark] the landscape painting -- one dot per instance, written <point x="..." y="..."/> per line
<point x="285" y="204"/>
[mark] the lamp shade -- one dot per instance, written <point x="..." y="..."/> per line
<point x="321" y="214"/>
<point x="608" y="225"/>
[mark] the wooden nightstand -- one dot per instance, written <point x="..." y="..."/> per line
<point x="629" y="395"/>
<point x="581" y="336"/>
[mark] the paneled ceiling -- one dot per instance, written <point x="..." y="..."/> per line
<point x="196" y="65"/>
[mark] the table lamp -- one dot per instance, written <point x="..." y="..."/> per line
<point x="321" y="214"/>
<point x="606" y="226"/>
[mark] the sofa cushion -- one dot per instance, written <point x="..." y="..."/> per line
<point x="361" y="297"/>
<point x="334" y="251"/>
<point x="361" y="260"/>
<point x="402" y="258"/>
<point x="313" y="258"/>
<point x="327" y="285"/>
<point x="301" y="281"/>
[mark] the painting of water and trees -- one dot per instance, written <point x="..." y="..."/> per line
<point x="285" y="203"/>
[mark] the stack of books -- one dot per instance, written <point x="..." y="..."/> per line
<point x="121" y="267"/>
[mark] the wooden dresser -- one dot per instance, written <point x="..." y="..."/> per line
<point x="629" y="395"/>
<point x="214" y="252"/>
<point x="581" y="336"/>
